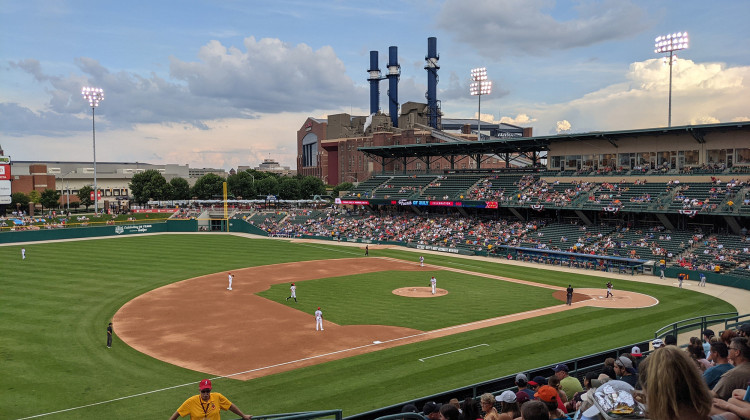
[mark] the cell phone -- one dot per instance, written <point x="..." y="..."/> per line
<point x="747" y="394"/>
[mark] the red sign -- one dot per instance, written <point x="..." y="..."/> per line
<point x="308" y="126"/>
<point x="491" y="204"/>
<point x="4" y="172"/>
<point x="356" y="202"/>
<point x="98" y="195"/>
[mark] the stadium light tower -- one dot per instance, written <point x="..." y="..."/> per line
<point x="479" y="86"/>
<point x="94" y="96"/>
<point x="670" y="43"/>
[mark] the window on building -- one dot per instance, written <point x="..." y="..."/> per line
<point x="716" y="156"/>
<point x="743" y="156"/>
<point x="555" y="162"/>
<point x="573" y="162"/>
<point x="607" y="160"/>
<point x="691" y="157"/>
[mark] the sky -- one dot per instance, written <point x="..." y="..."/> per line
<point x="226" y="83"/>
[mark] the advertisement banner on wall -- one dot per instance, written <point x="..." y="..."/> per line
<point x="4" y="188"/>
<point x="4" y="172"/>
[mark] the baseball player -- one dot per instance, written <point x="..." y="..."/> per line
<point x="703" y="280"/>
<point x="609" y="289"/>
<point x="680" y="279"/>
<point x="109" y="336"/>
<point x="367" y="250"/>
<point x="318" y="320"/>
<point x="569" y="295"/>
<point x="662" y="267"/>
<point x="231" y="277"/>
<point x="421" y="261"/>
<point x="293" y="292"/>
<point x="23" y="253"/>
<point x="433" y="284"/>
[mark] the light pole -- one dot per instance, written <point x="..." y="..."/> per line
<point x="94" y="96"/>
<point x="480" y="86"/>
<point x="670" y="43"/>
<point x="67" y="195"/>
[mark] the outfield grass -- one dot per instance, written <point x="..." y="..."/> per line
<point x="55" y="306"/>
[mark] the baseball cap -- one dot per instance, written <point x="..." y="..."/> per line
<point x="636" y="351"/>
<point x="204" y="384"/>
<point x="507" y="397"/>
<point x="318" y="307"/>
<point x="546" y="393"/>
<point x="745" y="328"/>
<point x="624" y="362"/>
<point x="521" y="378"/>
<point x="709" y="333"/>
<point x="522" y="397"/>
<point x="431" y="407"/>
<point x="658" y="343"/>
<point x="409" y="408"/>
<point x="540" y="380"/>
<point x="560" y="367"/>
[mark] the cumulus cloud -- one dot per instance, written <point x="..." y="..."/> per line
<point x="563" y="126"/>
<point x="520" y="119"/>
<point x="528" y="26"/>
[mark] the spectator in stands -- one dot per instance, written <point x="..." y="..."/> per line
<point x="551" y="398"/>
<point x="534" y="410"/>
<point x="409" y="408"/>
<point x="568" y="384"/>
<point x="522" y="383"/>
<point x="487" y="402"/>
<point x="590" y="381"/>
<point x="555" y="383"/>
<point x="707" y="335"/>
<point x="737" y="377"/>
<point x="744" y="330"/>
<point x="625" y="372"/>
<point x="674" y="389"/>
<point x="727" y="336"/>
<point x="469" y="409"/>
<point x="719" y="356"/>
<point x="431" y="410"/>
<point x="670" y="340"/>
<point x="448" y="412"/>
<point x="657" y="343"/>
<point x="609" y="371"/>
<point x="509" y="408"/>
<point x="695" y="350"/>
<point x="738" y="404"/>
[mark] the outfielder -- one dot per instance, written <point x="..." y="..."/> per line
<point x="231" y="277"/>
<point x="318" y="320"/>
<point x="421" y="261"/>
<point x="293" y="294"/>
<point x="23" y="253"/>
<point x="433" y="284"/>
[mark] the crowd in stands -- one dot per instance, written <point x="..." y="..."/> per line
<point x="708" y="380"/>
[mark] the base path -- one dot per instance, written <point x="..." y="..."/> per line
<point x="200" y="325"/>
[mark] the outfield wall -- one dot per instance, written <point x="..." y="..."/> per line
<point x="98" y="231"/>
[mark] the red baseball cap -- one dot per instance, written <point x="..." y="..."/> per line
<point x="204" y="384"/>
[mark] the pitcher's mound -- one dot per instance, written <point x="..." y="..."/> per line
<point x="420" y="292"/>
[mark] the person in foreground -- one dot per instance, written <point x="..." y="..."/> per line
<point x="207" y="405"/>
<point x="674" y="388"/>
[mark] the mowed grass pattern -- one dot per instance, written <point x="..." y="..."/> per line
<point x="369" y="299"/>
<point x="55" y="307"/>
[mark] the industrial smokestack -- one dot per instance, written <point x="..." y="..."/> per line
<point x="374" y="80"/>
<point x="432" y="67"/>
<point x="394" y="74"/>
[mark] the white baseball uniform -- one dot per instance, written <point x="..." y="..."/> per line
<point x="293" y="294"/>
<point x="421" y="261"/>
<point x="433" y="283"/>
<point x="23" y="253"/>
<point x="318" y="320"/>
<point x="230" y="281"/>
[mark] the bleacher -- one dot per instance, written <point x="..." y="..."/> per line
<point x="454" y="187"/>
<point x="403" y="187"/>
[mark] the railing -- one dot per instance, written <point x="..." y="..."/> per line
<point x="729" y="319"/>
<point x="304" y="415"/>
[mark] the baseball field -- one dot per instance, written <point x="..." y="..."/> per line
<point x="385" y="341"/>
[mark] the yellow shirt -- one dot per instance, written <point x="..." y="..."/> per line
<point x="211" y="410"/>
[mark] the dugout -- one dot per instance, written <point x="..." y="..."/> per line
<point x="609" y="264"/>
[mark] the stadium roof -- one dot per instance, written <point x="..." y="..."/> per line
<point x="541" y="143"/>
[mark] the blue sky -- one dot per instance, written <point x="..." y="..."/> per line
<point x="228" y="83"/>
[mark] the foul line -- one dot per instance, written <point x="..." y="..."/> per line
<point x="454" y="351"/>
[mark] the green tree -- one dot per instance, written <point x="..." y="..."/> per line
<point x="84" y="196"/>
<point x="267" y="186"/>
<point x="19" y="201"/>
<point x="207" y="187"/>
<point x="242" y="184"/>
<point x="180" y="189"/>
<point x="289" y="189"/>
<point x="344" y="186"/>
<point x="148" y="185"/>
<point x="49" y="198"/>
<point x="311" y="186"/>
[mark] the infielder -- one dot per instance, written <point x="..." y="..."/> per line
<point x="609" y="289"/>
<point x="318" y="320"/>
<point x="433" y="284"/>
<point x="293" y="294"/>
<point x="231" y="277"/>
<point x="703" y="280"/>
<point x="680" y="279"/>
<point x="421" y="261"/>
